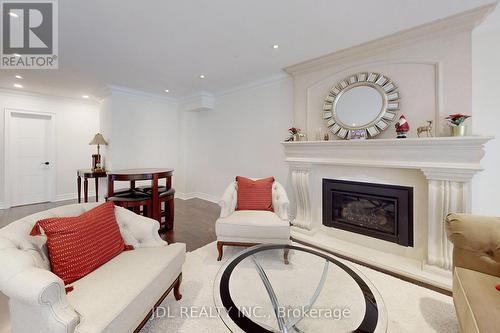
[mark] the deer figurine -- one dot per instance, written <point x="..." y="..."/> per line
<point x="427" y="129"/>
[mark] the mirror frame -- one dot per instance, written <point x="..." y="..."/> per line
<point x="391" y="101"/>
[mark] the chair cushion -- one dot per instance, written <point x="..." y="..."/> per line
<point x="132" y="196"/>
<point x="167" y="193"/>
<point x="78" y="245"/>
<point x="148" y="188"/>
<point x="252" y="224"/>
<point x="111" y="299"/>
<point x="255" y="194"/>
<point x="477" y="301"/>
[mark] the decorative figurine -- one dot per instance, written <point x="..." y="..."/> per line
<point x="427" y="129"/>
<point x="402" y="127"/>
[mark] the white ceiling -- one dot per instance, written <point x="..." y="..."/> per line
<point x="166" y="44"/>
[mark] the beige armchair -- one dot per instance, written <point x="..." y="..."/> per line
<point x="476" y="261"/>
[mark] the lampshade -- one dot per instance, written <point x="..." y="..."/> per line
<point x="98" y="140"/>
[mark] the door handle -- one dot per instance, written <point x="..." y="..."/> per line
<point x="46" y="163"/>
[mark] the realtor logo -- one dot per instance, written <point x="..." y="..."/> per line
<point x="29" y="34"/>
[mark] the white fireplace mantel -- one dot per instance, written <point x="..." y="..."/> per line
<point x="448" y="164"/>
<point x="456" y="155"/>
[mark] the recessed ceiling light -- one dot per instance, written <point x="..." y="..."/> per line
<point x="16" y="55"/>
<point x="19" y="76"/>
<point x="202" y="76"/>
<point x="166" y="90"/>
<point x="13" y="14"/>
<point x="17" y="85"/>
<point x="85" y="96"/>
<point x="275" y="46"/>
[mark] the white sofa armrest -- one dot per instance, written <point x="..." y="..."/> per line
<point x="38" y="302"/>
<point x="137" y="230"/>
<point x="228" y="201"/>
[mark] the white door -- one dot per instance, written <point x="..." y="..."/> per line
<point x="29" y="154"/>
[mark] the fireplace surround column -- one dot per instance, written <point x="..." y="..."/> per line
<point x="449" y="191"/>
<point x="299" y="174"/>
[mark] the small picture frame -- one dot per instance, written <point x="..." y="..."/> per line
<point x="357" y="135"/>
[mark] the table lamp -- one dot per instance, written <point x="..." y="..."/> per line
<point x="96" y="159"/>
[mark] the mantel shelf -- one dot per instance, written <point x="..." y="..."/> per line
<point x="457" y="158"/>
<point x="434" y="141"/>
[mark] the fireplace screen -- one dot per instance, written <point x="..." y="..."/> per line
<point x="365" y="211"/>
<point x="376" y="210"/>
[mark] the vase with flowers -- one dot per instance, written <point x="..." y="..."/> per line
<point x="456" y="122"/>
<point x="295" y="134"/>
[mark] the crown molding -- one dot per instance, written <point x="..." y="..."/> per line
<point x="282" y="76"/>
<point x="201" y="101"/>
<point x="110" y="89"/>
<point x="193" y="96"/>
<point x="13" y="92"/>
<point x="462" y="22"/>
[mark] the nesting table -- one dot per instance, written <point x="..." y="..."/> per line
<point x="133" y="175"/>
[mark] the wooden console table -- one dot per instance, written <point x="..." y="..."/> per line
<point x="133" y="175"/>
<point x="86" y="174"/>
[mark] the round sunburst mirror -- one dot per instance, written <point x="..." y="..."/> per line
<point x="364" y="102"/>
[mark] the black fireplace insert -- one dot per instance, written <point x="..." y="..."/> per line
<point x="376" y="210"/>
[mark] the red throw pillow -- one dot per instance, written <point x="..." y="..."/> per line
<point x="255" y="194"/>
<point x="79" y="245"/>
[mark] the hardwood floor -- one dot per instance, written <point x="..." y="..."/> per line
<point x="194" y="220"/>
<point x="194" y="223"/>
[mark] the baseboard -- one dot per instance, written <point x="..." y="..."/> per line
<point x="199" y="195"/>
<point x="179" y="195"/>
<point x="67" y="196"/>
<point x="71" y="196"/>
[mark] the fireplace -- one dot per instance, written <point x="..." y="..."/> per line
<point x="376" y="210"/>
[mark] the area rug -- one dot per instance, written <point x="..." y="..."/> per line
<point x="410" y="308"/>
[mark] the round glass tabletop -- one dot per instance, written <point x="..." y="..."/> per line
<point x="259" y="291"/>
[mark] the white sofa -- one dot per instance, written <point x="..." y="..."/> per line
<point x="250" y="227"/>
<point x="117" y="297"/>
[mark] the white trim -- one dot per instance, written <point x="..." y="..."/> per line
<point x="134" y="92"/>
<point x="201" y="101"/>
<point x="67" y="196"/>
<point x="2" y="205"/>
<point x="52" y="153"/>
<point x="5" y="91"/>
<point x="283" y="76"/>
<point x="194" y="96"/>
<point x="74" y="196"/>
<point x="199" y="195"/>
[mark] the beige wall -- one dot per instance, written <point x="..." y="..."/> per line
<point x="431" y="65"/>
<point x="486" y="112"/>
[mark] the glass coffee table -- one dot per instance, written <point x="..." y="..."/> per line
<point x="256" y="291"/>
